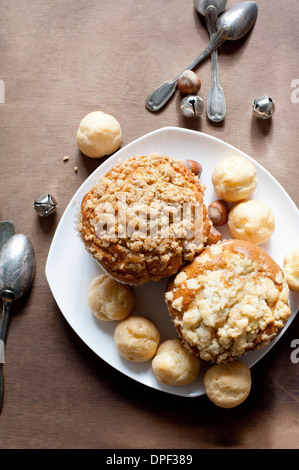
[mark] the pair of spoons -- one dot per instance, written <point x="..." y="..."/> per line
<point x="17" y="267"/>
<point x="232" y="25"/>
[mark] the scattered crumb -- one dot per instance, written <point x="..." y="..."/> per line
<point x="76" y="169"/>
<point x="66" y="158"/>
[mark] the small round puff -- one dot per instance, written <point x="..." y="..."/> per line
<point x="110" y="300"/>
<point x="291" y="269"/>
<point x="173" y="364"/>
<point x="99" y="134"/>
<point x="252" y="221"/>
<point x="137" y="338"/>
<point x="234" y="178"/>
<point x="228" y="385"/>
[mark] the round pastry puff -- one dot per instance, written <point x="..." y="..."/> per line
<point x="228" y="385"/>
<point x="231" y="299"/>
<point x="145" y="219"/>
<point x="174" y="364"/>
<point x="234" y="178"/>
<point x="137" y="338"/>
<point x="251" y="220"/>
<point x="110" y="300"/>
<point x="291" y="269"/>
<point x="99" y="134"/>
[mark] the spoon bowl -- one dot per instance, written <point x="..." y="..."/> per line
<point x="240" y="19"/>
<point x="17" y="264"/>
<point x="17" y="267"/>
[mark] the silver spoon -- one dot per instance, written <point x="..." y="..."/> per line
<point x="7" y="230"/>
<point x="232" y="25"/>
<point x="216" y="106"/>
<point x="17" y="267"/>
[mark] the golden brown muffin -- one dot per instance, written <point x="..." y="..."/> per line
<point x="231" y="299"/>
<point x="145" y="219"/>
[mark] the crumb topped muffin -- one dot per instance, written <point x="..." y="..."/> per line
<point x="231" y="299"/>
<point x="145" y="219"/>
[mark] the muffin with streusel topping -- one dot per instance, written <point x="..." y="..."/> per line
<point x="145" y="219"/>
<point x="231" y="299"/>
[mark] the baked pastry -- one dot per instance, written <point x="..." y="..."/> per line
<point x="174" y="364"/>
<point x="291" y="269"/>
<point x="137" y="338"/>
<point x="99" y="134"/>
<point x="251" y="220"/>
<point x="231" y="299"/>
<point x="234" y="178"/>
<point x="110" y="300"/>
<point x="145" y="219"/>
<point x="228" y="385"/>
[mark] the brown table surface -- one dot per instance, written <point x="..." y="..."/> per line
<point x="60" y="60"/>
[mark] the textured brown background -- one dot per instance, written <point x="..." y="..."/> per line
<point x="60" y="60"/>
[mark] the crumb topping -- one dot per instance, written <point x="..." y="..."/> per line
<point x="143" y="213"/>
<point x="231" y="305"/>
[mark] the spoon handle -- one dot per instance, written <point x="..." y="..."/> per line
<point x="3" y="331"/>
<point x="161" y="95"/>
<point x="216" y="106"/>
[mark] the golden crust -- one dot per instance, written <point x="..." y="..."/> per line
<point x="234" y="178"/>
<point x="140" y="193"/>
<point x="252" y="221"/>
<point x="137" y="338"/>
<point x="231" y="299"/>
<point x="109" y="300"/>
<point x="228" y="385"/>
<point x="291" y="269"/>
<point x="174" y="364"/>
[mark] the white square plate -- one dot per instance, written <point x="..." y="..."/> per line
<point x="70" y="268"/>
